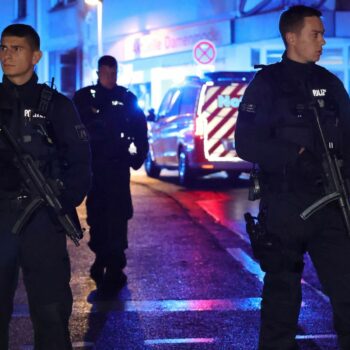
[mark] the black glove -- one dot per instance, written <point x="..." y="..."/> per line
<point x="136" y="161"/>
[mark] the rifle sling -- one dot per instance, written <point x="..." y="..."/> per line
<point x="319" y="204"/>
<point x="27" y="213"/>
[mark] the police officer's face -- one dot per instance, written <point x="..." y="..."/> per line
<point x="107" y="76"/>
<point x="305" y="46"/>
<point x="18" y="59"/>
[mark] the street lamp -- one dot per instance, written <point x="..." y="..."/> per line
<point x="98" y="4"/>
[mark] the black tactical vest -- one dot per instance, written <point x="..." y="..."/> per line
<point x="292" y="118"/>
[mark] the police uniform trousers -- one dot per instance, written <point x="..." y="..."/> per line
<point x="41" y="253"/>
<point x="108" y="211"/>
<point x="324" y="237"/>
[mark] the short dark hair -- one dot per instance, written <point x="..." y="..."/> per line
<point x="292" y="20"/>
<point x="107" y="60"/>
<point x="23" y="31"/>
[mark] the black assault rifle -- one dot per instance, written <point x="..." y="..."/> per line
<point x="40" y="190"/>
<point x="335" y="187"/>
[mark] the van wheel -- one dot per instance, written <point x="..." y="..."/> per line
<point x="152" y="170"/>
<point x="185" y="174"/>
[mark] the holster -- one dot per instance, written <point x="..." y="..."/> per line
<point x="267" y="248"/>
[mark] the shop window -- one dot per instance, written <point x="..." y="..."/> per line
<point x="334" y="60"/>
<point x="21" y="8"/>
<point x="254" y="57"/>
<point x="339" y="74"/>
<point x="342" y="5"/>
<point x="332" y="56"/>
<point x="68" y="69"/>
<point x="273" y="56"/>
<point x="61" y="3"/>
<point x="143" y="94"/>
<point x="52" y="66"/>
<point x="57" y="3"/>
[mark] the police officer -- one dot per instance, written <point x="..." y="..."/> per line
<point x="48" y="128"/>
<point x="118" y="134"/>
<point x="277" y="131"/>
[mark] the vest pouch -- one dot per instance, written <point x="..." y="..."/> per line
<point x="299" y="135"/>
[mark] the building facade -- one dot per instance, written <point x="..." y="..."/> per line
<point x="158" y="43"/>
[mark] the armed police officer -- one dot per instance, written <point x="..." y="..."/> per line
<point x="276" y="129"/>
<point x="48" y="129"/>
<point x="118" y="133"/>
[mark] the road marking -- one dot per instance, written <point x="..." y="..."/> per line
<point x="215" y="208"/>
<point x="316" y="336"/>
<point x="238" y="228"/>
<point x="87" y="345"/>
<point x="180" y="341"/>
<point x="247" y="262"/>
<point x="238" y="304"/>
<point x="254" y="268"/>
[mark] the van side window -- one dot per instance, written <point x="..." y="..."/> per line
<point x="174" y="106"/>
<point x="180" y="101"/>
<point x="170" y="105"/>
<point x="164" y="106"/>
<point x="189" y="99"/>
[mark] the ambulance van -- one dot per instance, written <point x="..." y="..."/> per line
<point x="194" y="129"/>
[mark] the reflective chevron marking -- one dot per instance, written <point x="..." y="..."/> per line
<point x="221" y="114"/>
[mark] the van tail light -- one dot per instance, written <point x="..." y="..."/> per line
<point x="199" y="126"/>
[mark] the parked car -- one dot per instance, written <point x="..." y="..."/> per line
<point x="194" y="128"/>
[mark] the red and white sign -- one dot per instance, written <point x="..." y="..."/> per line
<point x="204" y="52"/>
<point x="170" y="40"/>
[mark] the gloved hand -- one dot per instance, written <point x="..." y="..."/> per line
<point x="309" y="167"/>
<point x="135" y="161"/>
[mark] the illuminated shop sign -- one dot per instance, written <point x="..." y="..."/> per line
<point x="172" y="40"/>
<point x="252" y="7"/>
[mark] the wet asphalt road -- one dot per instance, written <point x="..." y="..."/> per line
<point x="192" y="282"/>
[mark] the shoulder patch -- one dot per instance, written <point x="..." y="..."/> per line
<point x="247" y="107"/>
<point x="83" y="134"/>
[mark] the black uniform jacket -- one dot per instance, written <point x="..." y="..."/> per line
<point x="57" y="140"/>
<point x="114" y="121"/>
<point x="274" y="119"/>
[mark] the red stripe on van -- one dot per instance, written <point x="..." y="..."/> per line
<point x="218" y="143"/>
<point x="212" y="98"/>
<point x="222" y="123"/>
<point x="232" y="94"/>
